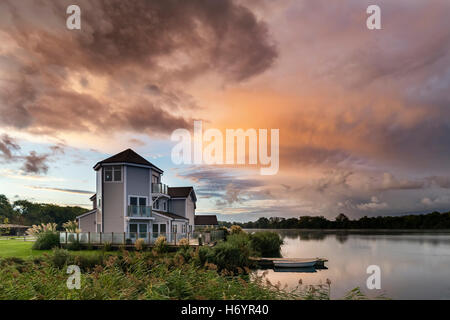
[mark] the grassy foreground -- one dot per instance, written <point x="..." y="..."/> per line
<point x="135" y="275"/>
<point x="215" y="273"/>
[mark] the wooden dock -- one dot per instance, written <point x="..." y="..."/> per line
<point x="319" y="263"/>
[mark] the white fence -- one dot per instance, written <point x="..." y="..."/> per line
<point x="21" y="238"/>
<point x="129" y="238"/>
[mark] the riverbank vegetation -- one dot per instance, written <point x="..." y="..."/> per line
<point x="434" y="220"/>
<point x="138" y="275"/>
<point x="219" y="272"/>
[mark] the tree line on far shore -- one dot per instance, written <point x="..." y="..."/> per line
<point x="26" y="213"/>
<point x="434" y="220"/>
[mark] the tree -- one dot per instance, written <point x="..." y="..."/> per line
<point x="6" y="210"/>
<point x="341" y="218"/>
<point x="5" y="230"/>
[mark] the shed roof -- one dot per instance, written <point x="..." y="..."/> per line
<point x="206" y="220"/>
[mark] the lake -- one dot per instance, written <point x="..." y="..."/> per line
<point x="414" y="265"/>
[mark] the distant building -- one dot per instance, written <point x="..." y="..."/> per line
<point x="202" y="221"/>
<point x="14" y="229"/>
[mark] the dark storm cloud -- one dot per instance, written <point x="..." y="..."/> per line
<point x="126" y="43"/>
<point x="7" y="146"/>
<point x="35" y="164"/>
<point x="221" y="184"/>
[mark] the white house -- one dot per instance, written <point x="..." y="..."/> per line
<point x="130" y="198"/>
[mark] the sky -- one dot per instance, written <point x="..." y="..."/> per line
<point x="363" y="115"/>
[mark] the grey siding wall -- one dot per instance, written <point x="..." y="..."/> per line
<point x="138" y="182"/>
<point x="99" y="197"/>
<point x="190" y="211"/>
<point x="87" y="223"/>
<point x="157" y="174"/>
<point x="113" y="206"/>
<point x="177" y="206"/>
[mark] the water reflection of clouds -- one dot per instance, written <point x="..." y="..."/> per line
<point x="413" y="266"/>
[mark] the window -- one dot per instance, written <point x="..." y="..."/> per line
<point x="113" y="173"/>
<point x="164" y="206"/>
<point x="133" y="227"/>
<point x="155" y="179"/>
<point x="138" y="201"/>
<point x="162" y="228"/>
<point x="156" y="204"/>
<point x="174" y="227"/>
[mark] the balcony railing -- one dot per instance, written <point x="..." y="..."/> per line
<point x="160" y="188"/>
<point x="139" y="211"/>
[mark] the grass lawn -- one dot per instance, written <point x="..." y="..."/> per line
<point x="19" y="249"/>
<point x="22" y="249"/>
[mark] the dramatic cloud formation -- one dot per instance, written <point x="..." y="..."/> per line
<point x="7" y="147"/>
<point x="119" y="72"/>
<point x="33" y="163"/>
<point x="363" y="115"/>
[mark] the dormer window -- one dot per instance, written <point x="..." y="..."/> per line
<point x="113" y="173"/>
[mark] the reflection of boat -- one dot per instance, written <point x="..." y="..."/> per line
<point x="294" y="263"/>
<point x="297" y="270"/>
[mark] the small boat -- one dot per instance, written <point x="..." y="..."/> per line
<point x="294" y="263"/>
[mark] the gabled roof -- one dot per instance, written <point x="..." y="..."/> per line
<point x="206" y="220"/>
<point x="170" y="215"/>
<point x="86" y="213"/>
<point x="128" y="156"/>
<point x="180" y="192"/>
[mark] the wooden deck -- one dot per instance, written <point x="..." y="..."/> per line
<point x="268" y="262"/>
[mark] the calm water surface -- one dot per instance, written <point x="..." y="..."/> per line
<point x="413" y="265"/>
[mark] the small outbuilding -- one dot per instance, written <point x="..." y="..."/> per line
<point x="13" y="229"/>
<point x="203" y="221"/>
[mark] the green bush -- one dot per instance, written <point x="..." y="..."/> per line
<point x="204" y="254"/>
<point x="75" y="246"/>
<point x="107" y="246"/>
<point x="231" y="254"/>
<point x="161" y="245"/>
<point x="46" y="241"/>
<point x="266" y="243"/>
<point x="185" y="252"/>
<point x="60" y="257"/>
<point x="88" y="262"/>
